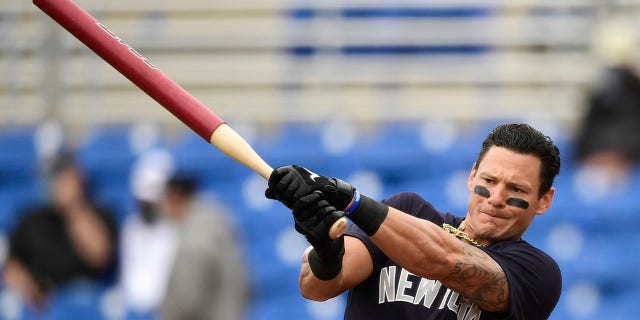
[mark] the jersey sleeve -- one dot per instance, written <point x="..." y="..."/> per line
<point x="535" y="280"/>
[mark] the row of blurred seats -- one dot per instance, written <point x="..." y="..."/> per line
<point x="590" y="229"/>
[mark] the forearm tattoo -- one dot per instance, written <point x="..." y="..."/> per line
<point x="478" y="278"/>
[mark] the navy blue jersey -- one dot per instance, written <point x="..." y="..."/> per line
<point x="392" y="292"/>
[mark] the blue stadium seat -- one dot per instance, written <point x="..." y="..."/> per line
<point x="269" y="275"/>
<point x="294" y="306"/>
<point x="107" y="155"/>
<point x="194" y="156"/>
<point x="297" y="143"/>
<point x="394" y="152"/>
<point x="138" y="315"/>
<point x="606" y="303"/>
<point x="615" y="209"/>
<point x="18" y="156"/>
<point x="419" y="150"/>
<point x="78" y="300"/>
<point x="278" y="307"/>
<point x="15" y="199"/>
<point x="117" y="198"/>
<point x="609" y="258"/>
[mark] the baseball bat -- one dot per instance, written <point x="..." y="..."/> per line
<point x="184" y="106"/>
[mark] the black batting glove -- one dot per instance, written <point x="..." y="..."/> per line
<point x="313" y="217"/>
<point x="288" y="184"/>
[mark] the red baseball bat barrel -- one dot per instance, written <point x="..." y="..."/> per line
<point x="158" y="86"/>
<point x="132" y="65"/>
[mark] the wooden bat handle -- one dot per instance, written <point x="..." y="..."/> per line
<point x="233" y="145"/>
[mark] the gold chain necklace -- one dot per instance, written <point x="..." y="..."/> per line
<point x="459" y="233"/>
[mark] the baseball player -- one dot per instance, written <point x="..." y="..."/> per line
<point x="403" y="259"/>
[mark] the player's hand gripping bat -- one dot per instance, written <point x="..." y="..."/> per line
<point x="158" y="86"/>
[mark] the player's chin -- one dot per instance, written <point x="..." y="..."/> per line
<point x="492" y="226"/>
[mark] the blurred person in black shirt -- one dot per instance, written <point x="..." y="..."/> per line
<point x="66" y="239"/>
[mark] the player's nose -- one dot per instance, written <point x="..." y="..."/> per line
<point x="497" y="197"/>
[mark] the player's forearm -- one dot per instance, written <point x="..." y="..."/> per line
<point x="315" y="289"/>
<point x="427" y="250"/>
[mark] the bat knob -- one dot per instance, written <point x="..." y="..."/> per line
<point x="338" y="228"/>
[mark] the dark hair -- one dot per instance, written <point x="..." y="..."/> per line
<point x="184" y="184"/>
<point x="524" y="139"/>
<point x="62" y="162"/>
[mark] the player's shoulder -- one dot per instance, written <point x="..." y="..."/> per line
<point x="533" y="276"/>
<point x="519" y="245"/>
<point x="523" y="250"/>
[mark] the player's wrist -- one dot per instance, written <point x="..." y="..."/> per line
<point x="366" y="213"/>
<point x="326" y="262"/>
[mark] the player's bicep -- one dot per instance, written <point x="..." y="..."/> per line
<point x="479" y="278"/>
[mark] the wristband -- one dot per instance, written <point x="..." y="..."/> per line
<point x="323" y="270"/>
<point x="354" y="203"/>
<point x="368" y="214"/>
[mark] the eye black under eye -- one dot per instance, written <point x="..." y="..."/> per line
<point x="517" y="202"/>
<point x="482" y="191"/>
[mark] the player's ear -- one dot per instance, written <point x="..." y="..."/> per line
<point x="546" y="200"/>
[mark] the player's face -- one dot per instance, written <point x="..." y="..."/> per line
<point x="504" y="195"/>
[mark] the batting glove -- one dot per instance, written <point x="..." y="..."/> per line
<point x="313" y="217"/>
<point x="289" y="184"/>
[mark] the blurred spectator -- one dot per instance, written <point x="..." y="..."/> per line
<point x="208" y="279"/>
<point x="608" y="140"/>
<point x="68" y="238"/>
<point x="149" y="239"/>
<point x="180" y="257"/>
